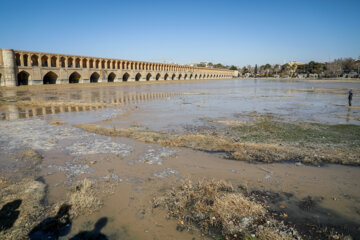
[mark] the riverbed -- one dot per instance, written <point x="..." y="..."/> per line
<point x="128" y="173"/>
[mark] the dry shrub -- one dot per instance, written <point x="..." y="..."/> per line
<point x="30" y="158"/>
<point x="83" y="199"/>
<point x="213" y="206"/>
<point x="270" y="234"/>
<point x="30" y="195"/>
<point x="217" y="209"/>
<point x="57" y="122"/>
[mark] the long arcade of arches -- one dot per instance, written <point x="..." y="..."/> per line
<point x="33" y="68"/>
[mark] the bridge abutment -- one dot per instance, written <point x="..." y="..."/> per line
<point x="8" y="63"/>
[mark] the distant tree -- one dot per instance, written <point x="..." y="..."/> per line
<point x="256" y="69"/>
<point x="233" y="68"/>
<point x="262" y="70"/>
<point x="267" y="66"/>
<point x="219" y="65"/>
<point x="244" y="70"/>
<point x="276" y="68"/>
<point x="333" y="69"/>
<point x="315" y="67"/>
<point x="349" y="65"/>
<point x="285" y="69"/>
<point x="201" y="65"/>
<point x="251" y="69"/>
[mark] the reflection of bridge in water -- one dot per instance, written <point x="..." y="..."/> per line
<point x="36" y="68"/>
<point x="37" y="107"/>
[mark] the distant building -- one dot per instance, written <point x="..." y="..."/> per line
<point x="295" y="63"/>
<point x="199" y="64"/>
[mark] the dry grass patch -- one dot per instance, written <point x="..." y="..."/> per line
<point x="270" y="234"/>
<point x="23" y="199"/>
<point x="229" y="122"/>
<point x="353" y="107"/>
<point x="57" y="122"/>
<point x="30" y="159"/>
<point x="217" y="210"/>
<point x="246" y="151"/>
<point x="323" y="90"/>
<point x="83" y="199"/>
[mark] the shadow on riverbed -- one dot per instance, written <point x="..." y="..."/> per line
<point x="307" y="215"/>
<point x="60" y="226"/>
<point x="9" y="214"/>
<point x="94" y="234"/>
<point x="53" y="227"/>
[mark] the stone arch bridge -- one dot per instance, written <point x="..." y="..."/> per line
<point x="36" y="68"/>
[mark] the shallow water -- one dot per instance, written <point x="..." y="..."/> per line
<point x="134" y="172"/>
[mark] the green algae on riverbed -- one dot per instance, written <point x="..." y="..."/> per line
<point x="298" y="133"/>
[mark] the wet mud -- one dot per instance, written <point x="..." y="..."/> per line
<point x="60" y="179"/>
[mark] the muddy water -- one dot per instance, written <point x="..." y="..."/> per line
<point x="130" y="173"/>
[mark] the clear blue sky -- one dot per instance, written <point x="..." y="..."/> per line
<point x="231" y="32"/>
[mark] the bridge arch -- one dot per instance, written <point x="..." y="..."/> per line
<point x="148" y="77"/>
<point x="70" y="62"/>
<point x="125" y="77"/>
<point x="50" y="78"/>
<point x="23" y="78"/>
<point x="25" y="57"/>
<point x="185" y="77"/>
<point x="173" y="77"/>
<point x="74" y="77"/>
<point x="158" y="76"/>
<point x="190" y="76"/>
<point x="138" y="77"/>
<point x="53" y="61"/>
<point x="34" y="60"/>
<point x="62" y="62"/>
<point x="166" y="76"/>
<point x="44" y="61"/>
<point x="196" y="76"/>
<point x="77" y="62"/>
<point x="180" y="76"/>
<point x="17" y="59"/>
<point x="111" y="77"/>
<point x="94" y="78"/>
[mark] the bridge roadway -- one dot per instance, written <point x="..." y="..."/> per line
<point x="36" y="68"/>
